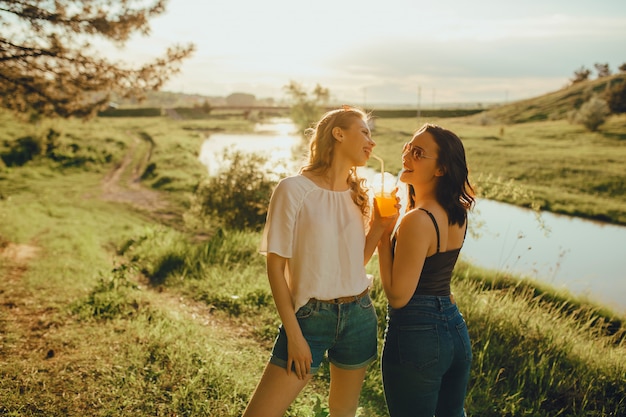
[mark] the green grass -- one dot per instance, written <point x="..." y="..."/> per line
<point x="561" y="167"/>
<point x="556" y="105"/>
<point x="128" y="311"/>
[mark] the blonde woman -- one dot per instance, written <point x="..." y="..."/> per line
<point x="316" y="245"/>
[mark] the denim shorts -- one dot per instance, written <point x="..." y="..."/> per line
<point x="347" y="332"/>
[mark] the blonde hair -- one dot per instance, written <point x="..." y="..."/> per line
<point x="322" y="148"/>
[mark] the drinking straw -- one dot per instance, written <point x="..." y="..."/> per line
<point x="382" y="172"/>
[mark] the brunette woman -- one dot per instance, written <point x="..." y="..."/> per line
<point x="427" y="353"/>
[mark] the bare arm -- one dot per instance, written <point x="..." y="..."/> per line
<point x="298" y="350"/>
<point x="378" y="227"/>
<point x="400" y="274"/>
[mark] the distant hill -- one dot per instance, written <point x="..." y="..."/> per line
<point x="168" y="99"/>
<point x="551" y="106"/>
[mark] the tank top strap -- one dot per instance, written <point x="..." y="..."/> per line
<point x="435" y="223"/>
<point x="466" y="227"/>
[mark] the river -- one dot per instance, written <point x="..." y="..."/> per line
<point x="582" y="256"/>
<point x="585" y="257"/>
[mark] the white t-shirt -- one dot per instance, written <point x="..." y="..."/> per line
<point x="322" y="235"/>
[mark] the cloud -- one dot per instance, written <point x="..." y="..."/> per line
<point x="483" y="59"/>
<point x="384" y="51"/>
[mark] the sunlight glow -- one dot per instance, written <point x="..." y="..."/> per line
<point x="467" y="52"/>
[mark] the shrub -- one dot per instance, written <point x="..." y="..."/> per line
<point x="115" y="296"/>
<point x="593" y="113"/>
<point x="66" y="150"/>
<point x="23" y="150"/>
<point x="616" y="97"/>
<point x="238" y="196"/>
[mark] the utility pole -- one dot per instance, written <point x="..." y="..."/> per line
<point x="419" y="99"/>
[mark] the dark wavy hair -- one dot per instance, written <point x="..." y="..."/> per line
<point x="454" y="191"/>
<point x="322" y="150"/>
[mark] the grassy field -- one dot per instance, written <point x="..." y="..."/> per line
<point x="561" y="167"/>
<point x="114" y="303"/>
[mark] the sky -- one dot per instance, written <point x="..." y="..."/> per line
<point x="405" y="52"/>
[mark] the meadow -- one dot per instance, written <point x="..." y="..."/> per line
<point x="561" y="167"/>
<point x="117" y="300"/>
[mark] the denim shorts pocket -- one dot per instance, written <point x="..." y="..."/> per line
<point x="366" y="302"/>
<point x="418" y="345"/>
<point x="461" y="329"/>
<point x="306" y="310"/>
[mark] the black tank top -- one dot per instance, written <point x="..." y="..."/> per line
<point x="437" y="270"/>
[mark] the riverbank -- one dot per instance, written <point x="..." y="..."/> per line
<point x="118" y="306"/>
<point x="548" y="248"/>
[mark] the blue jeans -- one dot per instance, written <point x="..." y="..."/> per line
<point x="347" y="332"/>
<point x="426" y="359"/>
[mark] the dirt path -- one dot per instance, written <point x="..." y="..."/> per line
<point x="123" y="183"/>
<point x="22" y="313"/>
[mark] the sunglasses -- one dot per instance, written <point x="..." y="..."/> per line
<point x="416" y="152"/>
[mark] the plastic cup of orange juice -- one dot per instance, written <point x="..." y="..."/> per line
<point x="383" y="185"/>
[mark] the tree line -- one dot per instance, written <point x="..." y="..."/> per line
<point x="602" y="70"/>
<point x="593" y="113"/>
